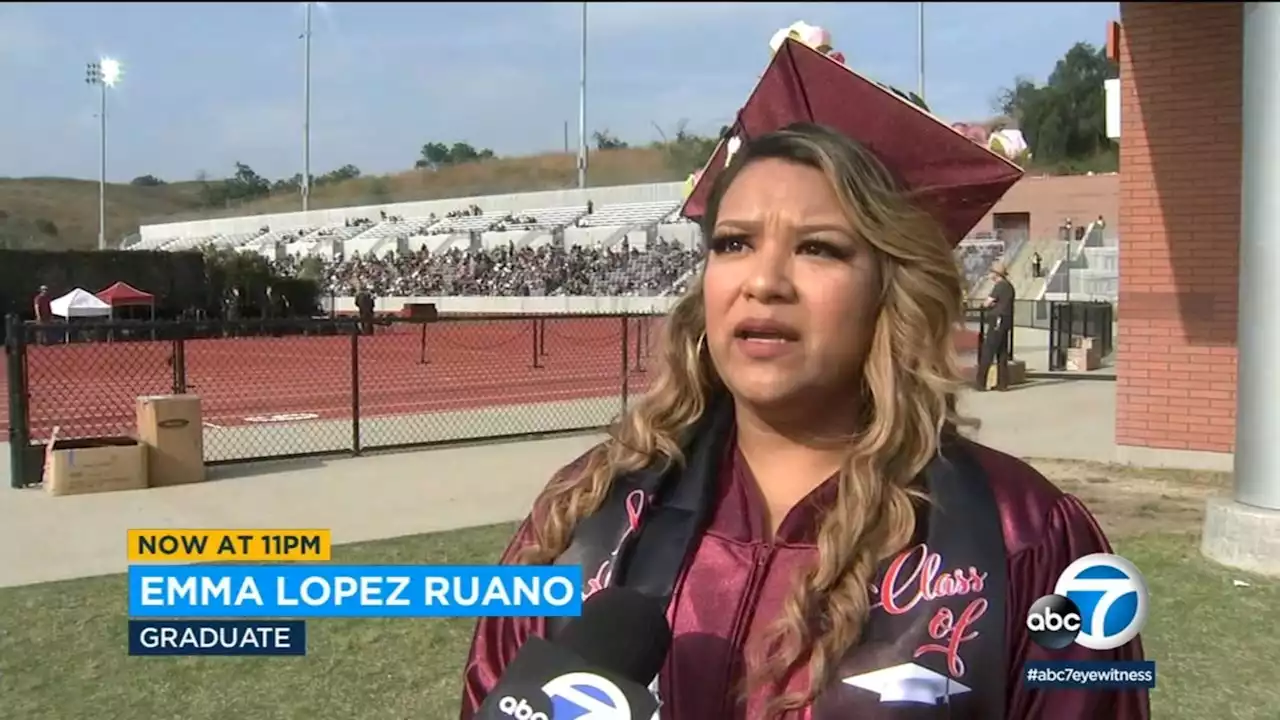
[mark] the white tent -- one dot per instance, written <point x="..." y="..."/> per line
<point x="79" y="304"/>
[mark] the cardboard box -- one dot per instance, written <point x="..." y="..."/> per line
<point x="1017" y="374"/>
<point x="172" y="429"/>
<point x="91" y="465"/>
<point x="1083" y="359"/>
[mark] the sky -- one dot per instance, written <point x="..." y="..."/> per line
<point x="206" y="85"/>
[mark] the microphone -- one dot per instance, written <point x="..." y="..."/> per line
<point x="599" y="668"/>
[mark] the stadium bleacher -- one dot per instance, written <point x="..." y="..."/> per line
<point x="636" y="248"/>
<point x="647" y="213"/>
<point x="544" y="218"/>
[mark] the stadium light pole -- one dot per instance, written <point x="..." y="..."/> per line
<point x="920" y="50"/>
<point x="104" y="73"/>
<point x="582" y="106"/>
<point x="306" y="107"/>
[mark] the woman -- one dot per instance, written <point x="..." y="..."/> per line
<point x="794" y="485"/>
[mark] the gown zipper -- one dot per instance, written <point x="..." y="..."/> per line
<point x="762" y="556"/>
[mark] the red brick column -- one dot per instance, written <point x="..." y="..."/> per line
<point x="1180" y="143"/>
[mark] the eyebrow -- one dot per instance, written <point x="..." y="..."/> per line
<point x="757" y="226"/>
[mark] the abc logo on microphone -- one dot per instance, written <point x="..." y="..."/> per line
<point x="525" y="702"/>
<point x="572" y="695"/>
<point x="1100" y="603"/>
<point x="521" y="709"/>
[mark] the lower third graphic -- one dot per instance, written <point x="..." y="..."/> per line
<point x="217" y="637"/>
<point x="1089" y="674"/>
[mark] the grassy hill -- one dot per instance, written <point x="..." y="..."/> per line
<point x="61" y="213"/>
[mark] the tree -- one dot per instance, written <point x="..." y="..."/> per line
<point x="607" y="141"/>
<point x="244" y="185"/>
<point x="146" y="181"/>
<point x="247" y="184"/>
<point x="229" y="267"/>
<point x="1064" y="121"/>
<point x="686" y="152"/>
<point x="311" y="268"/>
<point x="461" y="153"/>
<point x="346" y="172"/>
<point x="435" y="155"/>
<point x="287" y="185"/>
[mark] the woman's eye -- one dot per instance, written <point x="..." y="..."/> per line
<point x="822" y="249"/>
<point x="728" y="243"/>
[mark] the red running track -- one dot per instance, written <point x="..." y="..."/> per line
<point x="91" y="388"/>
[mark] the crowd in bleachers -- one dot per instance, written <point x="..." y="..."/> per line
<point x="662" y="268"/>
<point x="507" y="271"/>
<point x="975" y="259"/>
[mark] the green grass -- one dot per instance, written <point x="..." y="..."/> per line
<point x="63" y="648"/>
<point x="63" y="655"/>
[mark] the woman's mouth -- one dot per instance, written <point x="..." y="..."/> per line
<point x="764" y="339"/>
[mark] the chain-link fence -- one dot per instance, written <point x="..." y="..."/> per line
<point x="292" y="388"/>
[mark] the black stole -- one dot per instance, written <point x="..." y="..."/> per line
<point x="939" y="605"/>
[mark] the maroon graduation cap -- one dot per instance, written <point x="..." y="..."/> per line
<point x="947" y="174"/>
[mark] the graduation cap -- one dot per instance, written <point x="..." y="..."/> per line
<point x="907" y="683"/>
<point x="950" y="176"/>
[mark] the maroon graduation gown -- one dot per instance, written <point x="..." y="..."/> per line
<point x="735" y="579"/>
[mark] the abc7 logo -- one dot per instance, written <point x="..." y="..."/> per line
<point x="521" y="709"/>
<point x="1114" y="598"/>
<point x="1054" y="622"/>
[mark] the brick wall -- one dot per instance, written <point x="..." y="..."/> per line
<point x="1180" y="68"/>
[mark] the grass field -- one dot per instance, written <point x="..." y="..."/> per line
<point x="62" y="645"/>
<point x="72" y="205"/>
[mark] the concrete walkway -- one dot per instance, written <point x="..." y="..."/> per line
<point x="44" y="538"/>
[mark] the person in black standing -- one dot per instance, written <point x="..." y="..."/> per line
<point x="231" y="312"/>
<point x="275" y="308"/>
<point x="996" y="340"/>
<point x="364" y="307"/>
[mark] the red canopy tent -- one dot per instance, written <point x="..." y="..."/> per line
<point x="123" y="294"/>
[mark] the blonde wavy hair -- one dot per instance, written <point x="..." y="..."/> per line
<point x="907" y="398"/>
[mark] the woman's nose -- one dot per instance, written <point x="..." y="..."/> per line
<point x="770" y="276"/>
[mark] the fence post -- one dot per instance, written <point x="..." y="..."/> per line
<point x="15" y="368"/>
<point x="537" y="342"/>
<point x="355" y="389"/>
<point x="1108" y="327"/>
<point x="626" y="361"/>
<point x="640" y="341"/>
<point x="179" y="361"/>
<point x="1053" y="335"/>
<point x="422" y="346"/>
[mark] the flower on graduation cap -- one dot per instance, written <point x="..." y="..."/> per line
<point x="691" y="182"/>
<point x="1009" y="142"/>
<point x="950" y="176"/>
<point x="819" y="39"/>
<point x="973" y="131"/>
<point x="1006" y="142"/>
<point x="735" y="142"/>
<point x="812" y="35"/>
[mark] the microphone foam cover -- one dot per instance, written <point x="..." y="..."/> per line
<point x="622" y="631"/>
